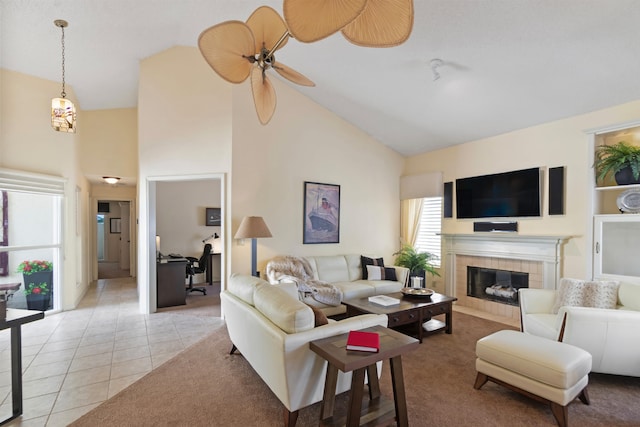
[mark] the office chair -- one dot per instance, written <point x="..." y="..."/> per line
<point x="197" y="266"/>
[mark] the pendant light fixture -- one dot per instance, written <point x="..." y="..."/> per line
<point x="63" y="112"/>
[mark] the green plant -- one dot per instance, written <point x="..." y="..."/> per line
<point x="415" y="261"/>
<point x="613" y="158"/>
<point x="37" y="289"/>
<point x="30" y="267"/>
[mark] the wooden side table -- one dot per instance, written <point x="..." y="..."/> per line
<point x="333" y="349"/>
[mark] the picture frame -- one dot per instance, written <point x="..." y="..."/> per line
<point x="321" y="213"/>
<point x="213" y="217"/>
<point x="114" y="225"/>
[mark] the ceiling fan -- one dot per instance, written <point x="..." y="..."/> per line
<point x="369" y="23"/>
<point x="236" y="50"/>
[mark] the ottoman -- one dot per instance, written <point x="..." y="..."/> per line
<point x="548" y="371"/>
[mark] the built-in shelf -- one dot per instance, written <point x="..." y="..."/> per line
<point x="617" y="187"/>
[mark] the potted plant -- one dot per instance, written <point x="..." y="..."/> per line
<point x="38" y="280"/>
<point x="621" y="159"/>
<point x="417" y="262"/>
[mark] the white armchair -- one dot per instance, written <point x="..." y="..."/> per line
<point x="612" y="336"/>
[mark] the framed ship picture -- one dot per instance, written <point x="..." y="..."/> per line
<point x="321" y="213"/>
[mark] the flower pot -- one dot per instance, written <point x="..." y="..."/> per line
<point x="38" y="302"/>
<point x="625" y="177"/>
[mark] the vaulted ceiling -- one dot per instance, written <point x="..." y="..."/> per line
<point x="506" y="64"/>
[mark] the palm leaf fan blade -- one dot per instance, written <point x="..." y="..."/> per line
<point x="292" y="75"/>
<point x="227" y="47"/>
<point x="267" y="27"/>
<point x="264" y="95"/>
<point x="382" y="23"/>
<point x="313" y="20"/>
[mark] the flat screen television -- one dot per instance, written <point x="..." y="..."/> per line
<point x="508" y="194"/>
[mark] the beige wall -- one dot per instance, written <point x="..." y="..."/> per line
<point x="110" y="143"/>
<point x="193" y="122"/>
<point x="184" y="130"/>
<point x="305" y="142"/>
<point x="28" y="143"/>
<point x="559" y="143"/>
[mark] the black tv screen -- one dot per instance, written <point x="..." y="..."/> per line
<point x="508" y="194"/>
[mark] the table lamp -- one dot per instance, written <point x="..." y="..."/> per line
<point x="253" y="227"/>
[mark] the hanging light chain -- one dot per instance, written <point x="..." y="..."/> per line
<point x="63" y="93"/>
<point x="62" y="23"/>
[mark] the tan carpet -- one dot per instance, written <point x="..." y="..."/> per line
<point x="223" y="390"/>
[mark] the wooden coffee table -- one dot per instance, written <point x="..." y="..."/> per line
<point x="417" y="310"/>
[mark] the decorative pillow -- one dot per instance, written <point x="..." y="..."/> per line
<point x="629" y="295"/>
<point x="381" y="273"/>
<point x="364" y="261"/>
<point x="319" y="317"/>
<point x="602" y="294"/>
<point x="581" y="293"/>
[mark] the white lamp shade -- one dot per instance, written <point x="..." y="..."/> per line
<point x="252" y="227"/>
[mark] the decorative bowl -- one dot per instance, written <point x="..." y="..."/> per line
<point x="629" y="201"/>
<point x="417" y="292"/>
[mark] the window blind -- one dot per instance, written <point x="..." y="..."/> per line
<point x="428" y="239"/>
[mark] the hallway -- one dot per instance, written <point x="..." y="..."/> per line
<point x="74" y="360"/>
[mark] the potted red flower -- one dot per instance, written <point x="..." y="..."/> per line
<point x="38" y="282"/>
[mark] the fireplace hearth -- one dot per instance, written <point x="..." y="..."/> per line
<point x="495" y="285"/>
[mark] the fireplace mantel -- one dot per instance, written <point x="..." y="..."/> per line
<point x="546" y="249"/>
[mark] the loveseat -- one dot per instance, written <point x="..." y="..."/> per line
<point x="611" y="334"/>
<point x="272" y="329"/>
<point x="346" y="273"/>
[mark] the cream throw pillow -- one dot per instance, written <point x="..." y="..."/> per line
<point x="582" y="293"/>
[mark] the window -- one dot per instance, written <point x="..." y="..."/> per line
<point x="428" y="239"/>
<point x="32" y="233"/>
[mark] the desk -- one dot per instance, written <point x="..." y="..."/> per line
<point x="15" y="319"/>
<point x="333" y="349"/>
<point x="170" y="282"/>
<point x="209" y="271"/>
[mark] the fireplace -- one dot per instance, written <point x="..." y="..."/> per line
<point x="495" y="285"/>
<point x="539" y="257"/>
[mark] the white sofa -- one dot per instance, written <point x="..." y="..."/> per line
<point x="612" y="336"/>
<point x="272" y="329"/>
<point x="345" y="272"/>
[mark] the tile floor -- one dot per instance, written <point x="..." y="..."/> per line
<point x="74" y="360"/>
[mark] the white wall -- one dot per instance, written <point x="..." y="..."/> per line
<point x="180" y="215"/>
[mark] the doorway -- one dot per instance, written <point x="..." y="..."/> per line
<point x="113" y="239"/>
<point x="177" y="224"/>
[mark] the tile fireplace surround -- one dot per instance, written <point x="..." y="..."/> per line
<point x="540" y="256"/>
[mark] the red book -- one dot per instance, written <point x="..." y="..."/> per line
<point x="363" y="341"/>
